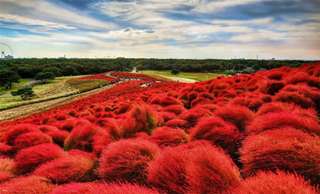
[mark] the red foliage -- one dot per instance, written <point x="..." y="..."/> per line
<point x="277" y="107"/>
<point x="139" y="118"/>
<point x="217" y="131"/>
<point x="278" y="182"/>
<point x="238" y="115"/>
<point x="127" y="160"/>
<point x="283" y="119"/>
<point x="31" y="139"/>
<point x="66" y="169"/>
<point x="14" y="132"/>
<point x="210" y="171"/>
<point x="176" y="109"/>
<point x="29" y="158"/>
<point x="168" y="171"/>
<point x="166" y="136"/>
<point x="81" y="137"/>
<point x="285" y="149"/>
<point x="27" y="185"/>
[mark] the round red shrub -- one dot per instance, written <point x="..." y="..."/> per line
<point x="19" y="129"/>
<point x="5" y="176"/>
<point x="217" y="131"/>
<point x="164" y="100"/>
<point x="81" y="137"/>
<point x="167" y="136"/>
<point x="27" y="185"/>
<point x="110" y="126"/>
<point x="177" y="123"/>
<point x="210" y="171"/>
<point x="285" y="149"/>
<point x="283" y="119"/>
<point x="193" y="115"/>
<point x="66" y="169"/>
<point x="276" y="107"/>
<point x="240" y="116"/>
<point x="278" y="182"/>
<point x="6" y="149"/>
<point x="140" y="118"/>
<point x="127" y="160"/>
<point x="83" y="188"/>
<point x="295" y="98"/>
<point x="7" y="165"/>
<point x="29" y="158"/>
<point x="168" y="171"/>
<point x="176" y="109"/>
<point x="31" y="139"/>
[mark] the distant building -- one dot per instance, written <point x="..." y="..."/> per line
<point x="8" y="57"/>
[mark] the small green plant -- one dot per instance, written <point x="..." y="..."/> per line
<point x="24" y="93"/>
<point x="175" y="71"/>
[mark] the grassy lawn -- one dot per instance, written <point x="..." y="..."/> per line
<point x="186" y="75"/>
<point x="59" y="87"/>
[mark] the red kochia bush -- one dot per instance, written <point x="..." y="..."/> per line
<point x="197" y="167"/>
<point x="79" y="188"/>
<point x="240" y="116"/>
<point x="164" y="100"/>
<point x="285" y="149"/>
<point x="66" y="169"/>
<point x="27" y="185"/>
<point x="99" y="188"/>
<point x="176" y="109"/>
<point x="276" y="107"/>
<point x="211" y="171"/>
<point x="29" y="158"/>
<point x="283" y="119"/>
<point x="139" y="118"/>
<point x="217" y="131"/>
<point x="7" y="169"/>
<point x="167" y="136"/>
<point x="278" y="182"/>
<point x="31" y="139"/>
<point x="193" y="115"/>
<point x="127" y="160"/>
<point x="6" y="149"/>
<point x="168" y="171"/>
<point x="20" y="129"/>
<point x="81" y="137"/>
<point x="295" y="98"/>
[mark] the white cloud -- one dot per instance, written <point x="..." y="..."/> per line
<point x="46" y="13"/>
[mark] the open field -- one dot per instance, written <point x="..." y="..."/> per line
<point x="188" y="77"/>
<point x="248" y="133"/>
<point x="57" y="88"/>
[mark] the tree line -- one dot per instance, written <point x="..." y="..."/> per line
<point x="12" y="70"/>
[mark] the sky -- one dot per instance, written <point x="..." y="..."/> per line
<point x="199" y="29"/>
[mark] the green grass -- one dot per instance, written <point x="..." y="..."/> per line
<point x="197" y="76"/>
<point x="57" y="88"/>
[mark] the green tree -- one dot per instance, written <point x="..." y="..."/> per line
<point x="24" y="93"/>
<point x="7" y="77"/>
<point x="175" y="71"/>
<point x="44" y="76"/>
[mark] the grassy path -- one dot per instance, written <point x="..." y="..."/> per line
<point x="27" y="109"/>
<point x="187" y="77"/>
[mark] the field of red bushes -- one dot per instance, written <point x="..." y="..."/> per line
<point x="241" y="134"/>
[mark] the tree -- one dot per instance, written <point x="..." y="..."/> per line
<point x="7" y="77"/>
<point x="25" y="93"/>
<point x="175" y="71"/>
<point x="45" y="75"/>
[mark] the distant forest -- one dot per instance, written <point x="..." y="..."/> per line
<point x="29" y="68"/>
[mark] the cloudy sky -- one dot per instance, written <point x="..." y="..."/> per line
<point x="286" y="29"/>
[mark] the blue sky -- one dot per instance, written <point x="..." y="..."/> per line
<point x="282" y="29"/>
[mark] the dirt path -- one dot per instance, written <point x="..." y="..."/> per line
<point x="28" y="109"/>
